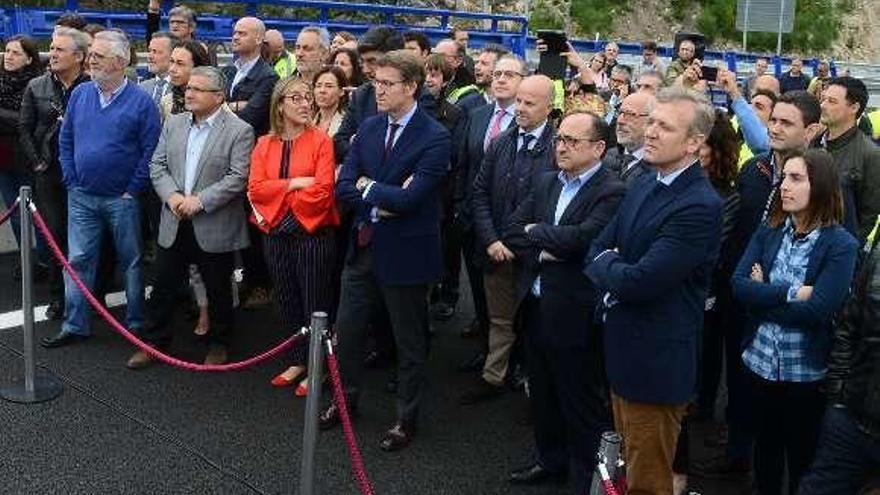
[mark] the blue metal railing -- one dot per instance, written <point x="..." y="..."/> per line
<point x="508" y="30"/>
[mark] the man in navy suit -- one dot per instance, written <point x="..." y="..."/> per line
<point x="653" y="262"/>
<point x="504" y="181"/>
<point x="391" y="179"/>
<point x="551" y="234"/>
<point x="484" y="125"/>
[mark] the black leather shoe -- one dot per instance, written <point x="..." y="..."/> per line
<point x="482" y="392"/>
<point x="55" y="310"/>
<point x="535" y="474"/>
<point x="62" y="339"/>
<point x="330" y="417"/>
<point x="397" y="437"/>
<point x="472" y="364"/>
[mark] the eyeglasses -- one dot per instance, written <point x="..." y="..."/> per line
<point x="509" y="74"/>
<point x="178" y="22"/>
<point x="571" y="141"/>
<point x="298" y="99"/>
<point x="618" y="81"/>
<point x="385" y="85"/>
<point x="97" y="56"/>
<point x="630" y="114"/>
<point x="201" y="90"/>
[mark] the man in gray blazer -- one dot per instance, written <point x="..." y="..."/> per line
<point x="200" y="171"/>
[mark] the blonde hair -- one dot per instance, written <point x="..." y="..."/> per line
<point x="276" y="115"/>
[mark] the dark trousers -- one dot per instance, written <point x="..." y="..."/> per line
<point x="712" y="349"/>
<point x="475" y="279"/>
<point x="255" y="273"/>
<point x="447" y="291"/>
<point x="569" y="398"/>
<point x="845" y="459"/>
<point x="788" y="420"/>
<point x="362" y="295"/>
<point x="51" y="198"/>
<point x="172" y="266"/>
<point x="301" y="267"/>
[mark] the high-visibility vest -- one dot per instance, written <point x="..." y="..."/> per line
<point x="286" y="65"/>
<point x="869" y="242"/>
<point x="558" y="94"/>
<point x="874" y="118"/>
<point x="456" y="94"/>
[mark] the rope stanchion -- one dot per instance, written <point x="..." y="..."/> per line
<point x="8" y="213"/>
<point x="114" y="323"/>
<point x="357" y="461"/>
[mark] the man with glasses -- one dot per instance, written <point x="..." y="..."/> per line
<point x="551" y="233"/>
<point x="391" y="179"/>
<point x="484" y="126"/>
<point x="181" y="21"/>
<point x="502" y="183"/>
<point x="203" y="218"/>
<point x="649" y="82"/>
<point x="109" y="133"/>
<point x="627" y="159"/>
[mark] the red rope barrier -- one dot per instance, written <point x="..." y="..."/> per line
<point x="607" y="484"/>
<point x="8" y="214"/>
<point x="165" y="358"/>
<point x="357" y="462"/>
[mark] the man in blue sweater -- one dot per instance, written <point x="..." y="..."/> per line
<point x="107" y="139"/>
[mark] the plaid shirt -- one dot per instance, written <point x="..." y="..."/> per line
<point x="779" y="353"/>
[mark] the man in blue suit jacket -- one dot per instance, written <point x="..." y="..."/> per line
<point x="391" y="179"/>
<point x="654" y="262"/>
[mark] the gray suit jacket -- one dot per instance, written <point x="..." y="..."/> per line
<point x="150" y="84"/>
<point x="221" y="181"/>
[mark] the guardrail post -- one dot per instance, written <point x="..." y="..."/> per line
<point x="318" y="331"/>
<point x="35" y="388"/>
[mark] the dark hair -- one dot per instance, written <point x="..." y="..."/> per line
<point x="197" y="51"/>
<point x="773" y="97"/>
<point x="30" y="47"/>
<point x="724" y="144"/>
<point x="163" y="34"/>
<point x="93" y="28"/>
<point x="357" y="73"/>
<point x="410" y="66"/>
<point x="495" y="48"/>
<point x="380" y="38"/>
<point x="71" y="20"/>
<point x="420" y="38"/>
<point x="341" y="80"/>
<point x="650" y="45"/>
<point x="806" y="103"/>
<point x="856" y="92"/>
<point x="437" y="61"/>
<point x="826" y="200"/>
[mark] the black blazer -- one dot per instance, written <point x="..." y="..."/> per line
<point x="470" y="156"/>
<point x="497" y="183"/>
<point x="565" y="289"/>
<point x="256" y="89"/>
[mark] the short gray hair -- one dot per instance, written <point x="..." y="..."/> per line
<point x="323" y="35"/>
<point x="215" y="75"/>
<point x="523" y="68"/>
<point x="81" y="40"/>
<point x="185" y="12"/>
<point x="704" y="112"/>
<point x="119" y="44"/>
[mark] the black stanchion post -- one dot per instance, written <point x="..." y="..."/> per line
<point x="609" y="454"/>
<point x="313" y="402"/>
<point x="35" y="388"/>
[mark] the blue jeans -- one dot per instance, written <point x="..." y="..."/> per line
<point x="89" y="217"/>
<point x="846" y="457"/>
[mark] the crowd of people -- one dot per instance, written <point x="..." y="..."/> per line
<point x="624" y="238"/>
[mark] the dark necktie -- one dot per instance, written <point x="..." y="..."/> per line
<point x="389" y="143"/>
<point x="526" y="140"/>
<point x="159" y="91"/>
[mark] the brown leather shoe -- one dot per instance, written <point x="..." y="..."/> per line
<point x="397" y="437"/>
<point x="216" y="355"/>
<point x="139" y="360"/>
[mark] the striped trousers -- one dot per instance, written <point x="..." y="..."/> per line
<point x="301" y="267"/>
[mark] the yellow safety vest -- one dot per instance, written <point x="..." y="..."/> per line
<point x="869" y="242"/>
<point x="874" y="117"/>
<point x="456" y="94"/>
<point x="286" y="65"/>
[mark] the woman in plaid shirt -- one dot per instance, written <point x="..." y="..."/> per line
<point x="793" y="277"/>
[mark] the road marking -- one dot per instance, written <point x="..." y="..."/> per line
<point x="15" y="319"/>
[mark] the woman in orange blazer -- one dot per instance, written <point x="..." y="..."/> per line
<point x="291" y="190"/>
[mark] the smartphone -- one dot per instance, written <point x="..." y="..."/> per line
<point x="556" y="41"/>
<point x="709" y="73"/>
